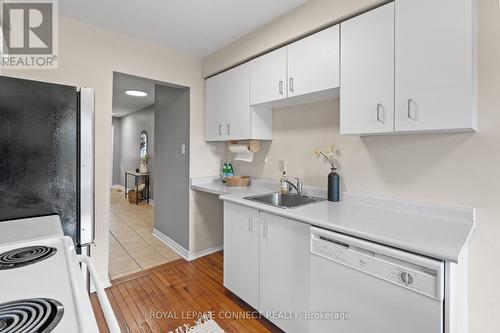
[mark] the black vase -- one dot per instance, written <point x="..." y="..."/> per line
<point x="333" y="186"/>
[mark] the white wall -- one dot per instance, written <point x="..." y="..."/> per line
<point x="87" y="57"/>
<point x="457" y="169"/>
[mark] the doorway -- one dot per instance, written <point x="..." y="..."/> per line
<point x="141" y="115"/>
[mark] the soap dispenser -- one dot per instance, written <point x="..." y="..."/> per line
<point x="284" y="184"/>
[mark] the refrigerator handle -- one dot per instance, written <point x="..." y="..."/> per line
<point x="87" y="172"/>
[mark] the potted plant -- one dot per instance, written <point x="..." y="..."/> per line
<point x="333" y="177"/>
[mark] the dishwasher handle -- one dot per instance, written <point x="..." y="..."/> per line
<point x="106" y="308"/>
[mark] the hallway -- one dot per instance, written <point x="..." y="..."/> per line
<point x="132" y="247"/>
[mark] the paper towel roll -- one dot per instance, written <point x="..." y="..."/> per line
<point x="242" y="153"/>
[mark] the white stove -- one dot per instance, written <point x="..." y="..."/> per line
<point x="42" y="287"/>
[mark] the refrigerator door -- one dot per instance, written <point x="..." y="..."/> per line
<point x="86" y="166"/>
<point x="39" y="152"/>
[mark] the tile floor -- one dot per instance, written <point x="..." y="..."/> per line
<point x="132" y="247"/>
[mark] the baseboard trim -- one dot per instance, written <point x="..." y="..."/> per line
<point x="199" y="254"/>
<point x="180" y="250"/>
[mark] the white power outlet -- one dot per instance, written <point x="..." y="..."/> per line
<point x="282" y="165"/>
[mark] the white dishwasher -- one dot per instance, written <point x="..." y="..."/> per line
<point x="363" y="287"/>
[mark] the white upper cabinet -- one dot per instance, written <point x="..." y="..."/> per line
<point x="435" y="60"/>
<point x="228" y="115"/>
<point x="313" y="63"/>
<point x="367" y="72"/>
<point x="268" y="77"/>
<point x="214" y="107"/>
<point x="429" y="48"/>
<point x="308" y="68"/>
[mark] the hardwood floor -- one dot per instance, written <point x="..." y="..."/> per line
<point x="168" y="296"/>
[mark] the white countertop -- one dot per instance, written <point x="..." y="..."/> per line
<point x="436" y="231"/>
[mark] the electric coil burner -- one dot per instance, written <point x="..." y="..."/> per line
<point x="37" y="315"/>
<point x="25" y="256"/>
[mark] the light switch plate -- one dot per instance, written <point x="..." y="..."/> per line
<point x="282" y="165"/>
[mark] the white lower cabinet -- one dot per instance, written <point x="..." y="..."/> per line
<point x="266" y="264"/>
<point x="284" y="271"/>
<point x="241" y="252"/>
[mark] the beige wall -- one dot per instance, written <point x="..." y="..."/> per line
<point x="309" y="17"/>
<point x="458" y="169"/>
<point x="87" y="57"/>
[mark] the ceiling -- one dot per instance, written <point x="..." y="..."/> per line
<point x="198" y="27"/>
<point x="124" y="104"/>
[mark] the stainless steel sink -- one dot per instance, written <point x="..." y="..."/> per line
<point x="281" y="200"/>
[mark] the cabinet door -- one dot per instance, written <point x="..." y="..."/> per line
<point x="214" y="108"/>
<point x="313" y="63"/>
<point x="237" y="122"/>
<point x="434" y="65"/>
<point x="268" y="77"/>
<point x="284" y="270"/>
<point x="367" y="73"/>
<point x="241" y="252"/>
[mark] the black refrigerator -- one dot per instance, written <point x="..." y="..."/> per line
<point x="47" y="155"/>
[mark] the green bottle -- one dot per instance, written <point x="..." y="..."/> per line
<point x="230" y="170"/>
<point x="224" y="171"/>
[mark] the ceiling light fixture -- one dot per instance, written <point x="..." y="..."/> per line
<point x="136" y="93"/>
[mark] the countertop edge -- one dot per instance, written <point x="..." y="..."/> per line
<point x="351" y="232"/>
<point x="462" y="215"/>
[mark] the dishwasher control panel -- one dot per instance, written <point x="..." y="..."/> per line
<point x="396" y="268"/>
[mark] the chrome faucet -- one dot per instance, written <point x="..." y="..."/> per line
<point x="298" y="187"/>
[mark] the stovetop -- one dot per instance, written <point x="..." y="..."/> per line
<point x="24" y="256"/>
<point x="42" y="288"/>
<point x="30" y="315"/>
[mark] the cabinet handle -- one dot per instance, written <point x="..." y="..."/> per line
<point x="265" y="230"/>
<point x="250" y="224"/>
<point x="228" y="129"/>
<point x="291" y="84"/>
<point x="220" y="129"/>
<point x="409" y="109"/>
<point x="379" y="118"/>
<point x="281" y="87"/>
